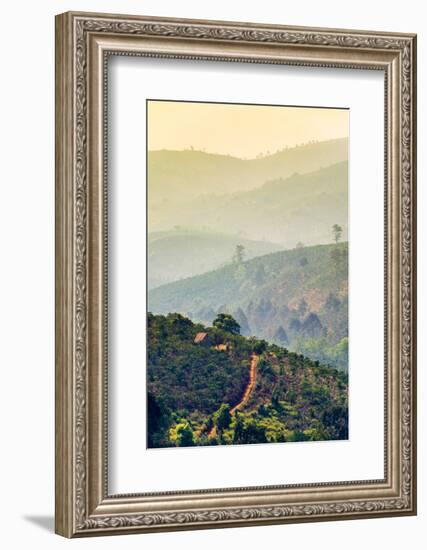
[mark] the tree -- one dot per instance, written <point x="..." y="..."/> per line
<point x="259" y="346"/>
<point x="159" y="421"/>
<point x="335" y="420"/>
<point x="299" y="245"/>
<point x="185" y="436"/>
<point x="298" y="435"/>
<point x="226" y="322"/>
<point x="222" y="417"/>
<point x="281" y="437"/>
<point x="254" y="433"/>
<point x="337" y="232"/>
<point x="239" y="254"/>
<point x="182" y="325"/>
<point x="239" y="428"/>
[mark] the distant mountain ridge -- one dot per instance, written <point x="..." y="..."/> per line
<point x="188" y="174"/>
<point x="301" y="207"/>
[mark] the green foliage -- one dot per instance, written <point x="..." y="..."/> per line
<point x="227" y="323"/>
<point x="276" y="272"/>
<point x="253" y="433"/>
<point x="239" y="428"/>
<point x="184" y="435"/>
<point x="159" y="421"/>
<point x="335" y="420"/>
<point x="274" y="292"/>
<point x="222" y="417"/>
<point x="259" y="346"/>
<point x="337" y="232"/>
<point x="191" y="377"/>
<point x="192" y="389"/>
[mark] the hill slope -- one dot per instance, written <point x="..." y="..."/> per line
<point x="193" y="390"/>
<point x="297" y="298"/>
<point x="181" y="253"/>
<point x="301" y="207"/>
<point x="188" y="174"/>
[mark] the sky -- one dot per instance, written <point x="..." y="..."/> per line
<point x="243" y="131"/>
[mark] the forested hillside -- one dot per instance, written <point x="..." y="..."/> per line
<point x="296" y="298"/>
<point x="212" y="386"/>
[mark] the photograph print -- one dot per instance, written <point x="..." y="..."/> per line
<point x="247" y="274"/>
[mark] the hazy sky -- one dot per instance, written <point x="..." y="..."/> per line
<point x="239" y="130"/>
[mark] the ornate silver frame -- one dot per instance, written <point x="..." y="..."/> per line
<point x="83" y="42"/>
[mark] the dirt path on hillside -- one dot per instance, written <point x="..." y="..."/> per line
<point x="251" y="384"/>
<point x="248" y="390"/>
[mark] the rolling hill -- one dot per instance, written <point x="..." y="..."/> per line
<point x="188" y="174"/>
<point x="297" y="298"/>
<point x="301" y="207"/>
<point x="236" y="390"/>
<point x="182" y="253"/>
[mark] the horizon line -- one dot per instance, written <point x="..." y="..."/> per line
<point x="260" y="155"/>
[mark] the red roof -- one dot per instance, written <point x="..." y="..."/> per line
<point x="200" y="336"/>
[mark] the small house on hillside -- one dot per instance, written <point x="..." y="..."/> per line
<point x="203" y="339"/>
<point x="207" y="340"/>
<point x="222" y="347"/>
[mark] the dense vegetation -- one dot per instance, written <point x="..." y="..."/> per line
<point x="193" y="388"/>
<point x="295" y="298"/>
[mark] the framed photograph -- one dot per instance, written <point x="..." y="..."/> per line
<point x="235" y="274"/>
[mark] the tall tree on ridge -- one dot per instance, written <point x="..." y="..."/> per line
<point x="337" y="232"/>
<point x="239" y="254"/>
<point x="226" y="322"/>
